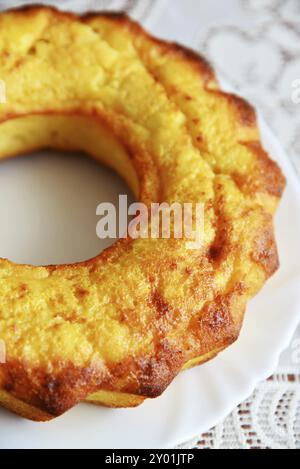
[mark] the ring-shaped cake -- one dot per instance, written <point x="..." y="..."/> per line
<point x="118" y="328"/>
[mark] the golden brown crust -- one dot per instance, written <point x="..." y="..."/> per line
<point x="213" y="318"/>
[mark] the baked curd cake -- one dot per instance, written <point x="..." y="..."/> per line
<point x="118" y="328"/>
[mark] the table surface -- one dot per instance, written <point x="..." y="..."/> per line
<point x="254" y="46"/>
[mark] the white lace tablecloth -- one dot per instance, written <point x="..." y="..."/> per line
<point x="254" y="45"/>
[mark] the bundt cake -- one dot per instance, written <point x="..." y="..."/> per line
<point x="118" y="328"/>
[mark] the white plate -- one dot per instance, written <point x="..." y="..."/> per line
<point x="198" y="398"/>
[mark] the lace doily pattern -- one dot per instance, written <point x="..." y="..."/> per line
<point x="269" y="419"/>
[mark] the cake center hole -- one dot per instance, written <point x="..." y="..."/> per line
<point x="48" y="204"/>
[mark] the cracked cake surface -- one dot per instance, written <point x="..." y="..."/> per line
<point x="118" y="328"/>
